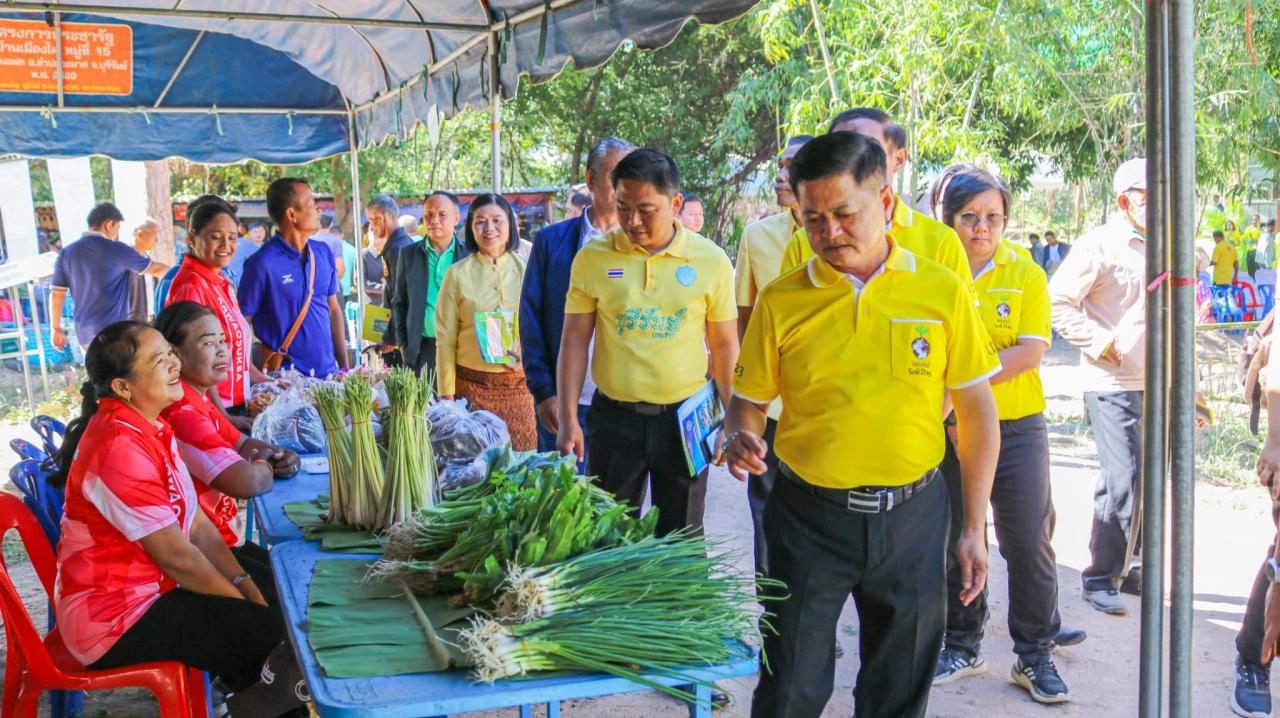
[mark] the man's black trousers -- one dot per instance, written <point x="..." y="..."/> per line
<point x="631" y="451"/>
<point x="894" y="565"/>
<point x="1116" y="418"/>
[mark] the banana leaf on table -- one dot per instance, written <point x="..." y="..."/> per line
<point x="338" y="538"/>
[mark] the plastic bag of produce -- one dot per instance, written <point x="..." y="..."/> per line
<point x="459" y="439"/>
<point x="291" y="422"/>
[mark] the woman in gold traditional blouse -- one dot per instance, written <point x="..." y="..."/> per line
<point x="486" y="282"/>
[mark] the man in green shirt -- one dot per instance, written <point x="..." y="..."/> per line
<point x="419" y="273"/>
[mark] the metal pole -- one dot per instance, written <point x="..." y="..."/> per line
<point x="1182" y="378"/>
<point x="57" y="45"/>
<point x="357" y="282"/>
<point x="249" y="16"/>
<point x="23" y="351"/>
<point x="495" y="116"/>
<point x="1155" y="448"/>
<point x="35" y="316"/>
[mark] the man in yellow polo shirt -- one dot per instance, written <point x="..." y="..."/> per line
<point x="1225" y="260"/>
<point x="759" y="263"/>
<point x="657" y="297"/>
<point x="924" y="236"/>
<point x="861" y="344"/>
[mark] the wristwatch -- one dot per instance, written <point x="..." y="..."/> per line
<point x="1272" y="569"/>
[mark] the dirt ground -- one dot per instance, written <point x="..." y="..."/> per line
<point x="1232" y="532"/>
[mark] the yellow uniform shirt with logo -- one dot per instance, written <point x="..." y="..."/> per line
<point x="651" y="313"/>
<point x="862" y="378"/>
<point x="476" y="284"/>
<point x="1013" y="300"/>
<point x="1224" y="263"/>
<point x="919" y="234"/>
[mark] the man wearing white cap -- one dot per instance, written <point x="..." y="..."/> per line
<point x="1099" y="306"/>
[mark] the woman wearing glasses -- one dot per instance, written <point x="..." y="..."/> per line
<point x="1013" y="295"/>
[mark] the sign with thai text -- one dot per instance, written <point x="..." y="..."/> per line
<point x="97" y="58"/>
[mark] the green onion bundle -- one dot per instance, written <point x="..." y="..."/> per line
<point x="659" y="604"/>
<point x="364" y="491"/>
<point x="549" y="517"/>
<point x="330" y="403"/>
<point x="411" y="467"/>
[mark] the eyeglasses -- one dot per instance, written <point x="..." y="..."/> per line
<point x="969" y="220"/>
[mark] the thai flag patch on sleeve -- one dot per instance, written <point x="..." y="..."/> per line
<point x="614" y="274"/>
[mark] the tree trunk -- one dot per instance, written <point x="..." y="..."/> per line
<point x="160" y="208"/>
<point x="580" y="139"/>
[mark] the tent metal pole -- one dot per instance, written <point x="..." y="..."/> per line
<point x="35" y="318"/>
<point x="1155" y="448"/>
<point x="495" y="116"/>
<point x="118" y="11"/>
<point x="178" y="70"/>
<point x="464" y="48"/>
<point x="358" y="278"/>
<point x="1182" y="379"/>
<point x="24" y="354"/>
<point x="57" y="48"/>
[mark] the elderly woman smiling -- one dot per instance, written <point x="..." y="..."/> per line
<point x="213" y="238"/>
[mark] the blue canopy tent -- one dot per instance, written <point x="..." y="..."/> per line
<point x="289" y="81"/>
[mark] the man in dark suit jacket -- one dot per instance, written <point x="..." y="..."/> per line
<point x="384" y="213"/>
<point x="419" y="272"/>
<point x="546" y="282"/>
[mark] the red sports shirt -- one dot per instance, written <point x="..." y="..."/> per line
<point x="126" y="482"/>
<point x="207" y="442"/>
<point x="197" y="282"/>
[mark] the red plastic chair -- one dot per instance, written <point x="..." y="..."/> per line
<point x="1252" y="309"/>
<point x="34" y="665"/>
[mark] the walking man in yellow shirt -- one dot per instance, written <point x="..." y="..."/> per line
<point x="759" y="263"/>
<point x="861" y="345"/>
<point x="1225" y="260"/>
<point x="656" y="297"/>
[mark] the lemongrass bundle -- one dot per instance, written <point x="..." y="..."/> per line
<point x="330" y="403"/>
<point x="364" y="492"/>
<point x="410" y="480"/>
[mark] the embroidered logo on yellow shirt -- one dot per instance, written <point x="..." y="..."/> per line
<point x="651" y="322"/>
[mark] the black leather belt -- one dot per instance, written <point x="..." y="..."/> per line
<point x="867" y="499"/>
<point x="638" y="407"/>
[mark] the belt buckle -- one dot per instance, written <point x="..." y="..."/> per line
<point x="648" y="409"/>
<point x="865" y="505"/>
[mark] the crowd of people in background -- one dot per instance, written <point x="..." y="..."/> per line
<point x="879" y="363"/>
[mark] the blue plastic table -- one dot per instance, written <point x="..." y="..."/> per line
<point x="274" y="526"/>
<point x="439" y="694"/>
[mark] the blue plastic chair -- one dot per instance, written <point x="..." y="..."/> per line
<point x="50" y="430"/>
<point x="27" y="450"/>
<point x="1268" y="292"/>
<point x="1228" y="303"/>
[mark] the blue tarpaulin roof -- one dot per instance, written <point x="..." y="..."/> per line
<point x="280" y="81"/>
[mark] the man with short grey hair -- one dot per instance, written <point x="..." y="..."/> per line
<point x="546" y="284"/>
<point x="384" y="216"/>
<point x="145" y="236"/>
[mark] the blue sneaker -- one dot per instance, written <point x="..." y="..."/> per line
<point x="1252" y="696"/>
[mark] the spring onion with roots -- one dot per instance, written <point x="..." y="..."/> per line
<point x="365" y="488"/>
<point x="661" y="605"/>
<point x="410" y="482"/>
<point x="550" y="516"/>
<point x="332" y="407"/>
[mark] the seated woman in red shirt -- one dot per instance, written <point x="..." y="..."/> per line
<point x="213" y="234"/>
<point x="225" y="464"/>
<point x="143" y="575"/>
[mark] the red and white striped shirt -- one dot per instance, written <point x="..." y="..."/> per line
<point x="126" y="482"/>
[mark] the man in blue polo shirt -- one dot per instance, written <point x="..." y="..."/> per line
<point x="96" y="270"/>
<point x="274" y="288"/>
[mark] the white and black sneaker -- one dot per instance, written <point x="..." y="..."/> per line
<point x="954" y="664"/>
<point x="1041" y="680"/>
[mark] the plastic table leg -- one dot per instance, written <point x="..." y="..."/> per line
<point x="553" y="709"/>
<point x="702" y="707"/>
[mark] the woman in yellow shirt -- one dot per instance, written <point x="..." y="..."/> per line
<point x="477" y="337"/>
<point x="1013" y="297"/>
